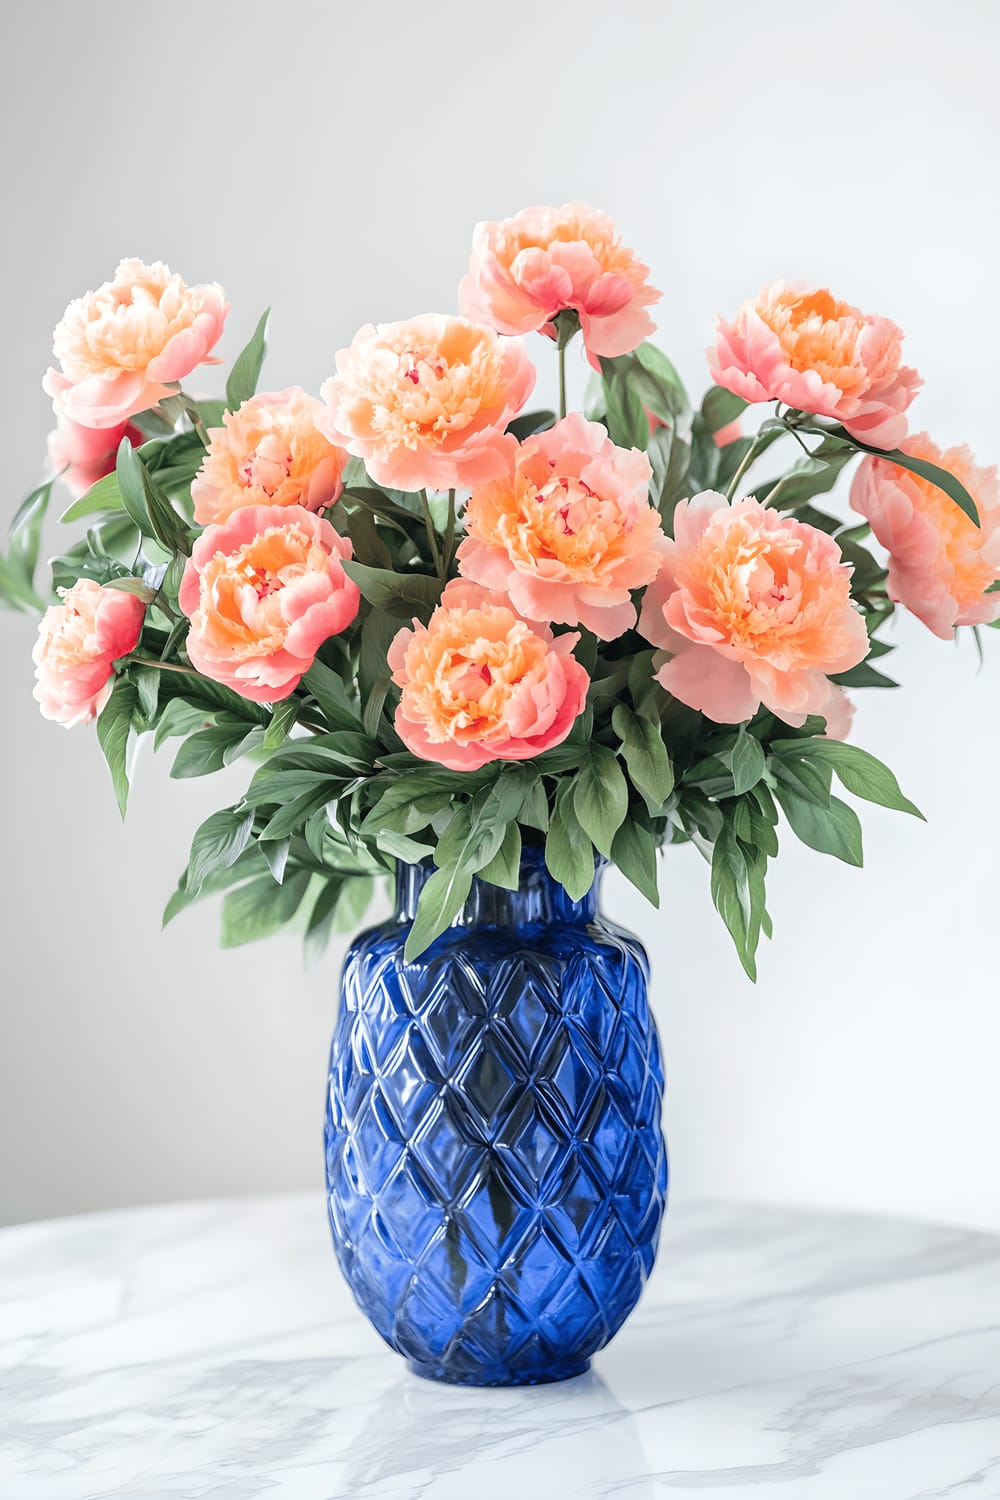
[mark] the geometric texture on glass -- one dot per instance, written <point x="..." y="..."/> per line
<point x="495" y="1162"/>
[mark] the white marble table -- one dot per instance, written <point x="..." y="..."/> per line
<point x="210" y="1351"/>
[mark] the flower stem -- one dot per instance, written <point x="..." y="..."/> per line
<point x="164" y="666"/>
<point x="449" y="536"/>
<point x="562" y="379"/>
<point x="757" y="447"/>
<point x="431" y="533"/>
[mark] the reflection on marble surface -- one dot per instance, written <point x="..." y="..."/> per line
<point x="211" y="1352"/>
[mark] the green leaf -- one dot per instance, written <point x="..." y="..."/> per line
<point x="248" y="864"/>
<point x="476" y="829"/>
<point x="105" y="495"/>
<point x="732" y="896"/>
<point x="600" y="797"/>
<point x="282" y="719"/>
<point x="943" y="478"/>
<point x="529" y="423"/>
<point x="863" y="675"/>
<point x="26" y="533"/>
<point x="399" y="594"/>
<point x="113" y="728"/>
<point x="276" y="851"/>
<point x="627" y="422"/>
<point x="504" y="869"/>
<point x="242" y="382"/>
<point x="289" y="818"/>
<point x="720" y="407"/>
<point x="147" y="685"/>
<point x="808" y="478"/>
<point x="260" y="908"/>
<point x="746" y="762"/>
<point x="569" y="853"/>
<point x="535" y="808"/>
<point x="645" y="754"/>
<point x="830" y="830"/>
<point x="441" y="899"/>
<point x="327" y="687"/>
<point x="217" y="844"/>
<point x="205" y="751"/>
<point x="321" y="919"/>
<point x="634" y="852"/>
<point x="857" y="770"/>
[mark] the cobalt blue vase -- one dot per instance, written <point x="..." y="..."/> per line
<point x="496" y="1167"/>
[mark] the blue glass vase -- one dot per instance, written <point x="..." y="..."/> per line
<point x="495" y="1163"/>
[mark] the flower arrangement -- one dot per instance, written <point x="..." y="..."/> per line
<point x="442" y="625"/>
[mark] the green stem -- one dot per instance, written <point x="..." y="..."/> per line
<point x="757" y="447"/>
<point x="449" y="536"/>
<point x="164" y="666"/>
<point x="431" y="533"/>
<point x="562" y="380"/>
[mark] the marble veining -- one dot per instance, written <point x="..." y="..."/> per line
<point x="211" y="1352"/>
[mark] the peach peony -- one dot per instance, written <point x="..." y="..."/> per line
<point x="568" y="530"/>
<point x="839" y="715"/>
<point x="80" y="456"/>
<point x="820" y="356"/>
<point x="481" y="684"/>
<point x="526" y="270"/>
<point x="940" y="562"/>
<point x="263" y="591"/>
<point x="269" y="452"/>
<point x="122" y="348"/>
<point x="754" y="608"/>
<point x="425" y="402"/>
<point x="78" y="640"/>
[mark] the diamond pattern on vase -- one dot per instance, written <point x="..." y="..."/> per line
<point x="495" y="1165"/>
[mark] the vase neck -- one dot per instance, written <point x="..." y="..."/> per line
<point x="538" y="897"/>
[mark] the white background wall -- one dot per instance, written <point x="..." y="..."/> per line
<point x="332" y="160"/>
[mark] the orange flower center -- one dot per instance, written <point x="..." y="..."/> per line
<point x="464" y="668"/>
<point x="818" y="332"/>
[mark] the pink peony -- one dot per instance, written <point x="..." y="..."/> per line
<point x="78" y="640"/>
<point x="839" y="715"/>
<point x="526" y="270"/>
<point x="820" y="356"/>
<point x="425" y="402"/>
<point x="80" y="456"/>
<point x="269" y="452"/>
<point x="568" y="531"/>
<point x="481" y="684"/>
<point x="940" y="562"/>
<point x="754" y="608"/>
<point x="122" y="348"/>
<point x="263" y="591"/>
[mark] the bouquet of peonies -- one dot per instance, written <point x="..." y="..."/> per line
<point x="442" y="625"/>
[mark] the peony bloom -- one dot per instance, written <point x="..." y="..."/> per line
<point x="754" y="608"/>
<point x="80" y="456"/>
<point x="263" y="591"/>
<point x="78" y="640"/>
<point x="940" y="562"/>
<point x="425" y="402"/>
<point x="526" y="270"/>
<point x="568" y="530"/>
<point x="269" y="452"/>
<point x="122" y="348"/>
<point x="481" y="684"/>
<point x="821" y="356"/>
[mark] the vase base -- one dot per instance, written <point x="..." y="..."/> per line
<point x="445" y="1376"/>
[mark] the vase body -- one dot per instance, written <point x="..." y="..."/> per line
<point x="496" y="1168"/>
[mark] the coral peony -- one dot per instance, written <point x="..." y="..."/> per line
<point x="820" y="356"/>
<point x="940" y="562"/>
<point x="839" y="715"/>
<point x="479" y="683"/>
<point x="526" y="270"/>
<point x="269" y="452"/>
<point x="568" y="530"/>
<point x="263" y="591"/>
<point x="78" y="640"/>
<point x="80" y="456"/>
<point x="122" y="348"/>
<point x="425" y="402"/>
<point x="754" y="608"/>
